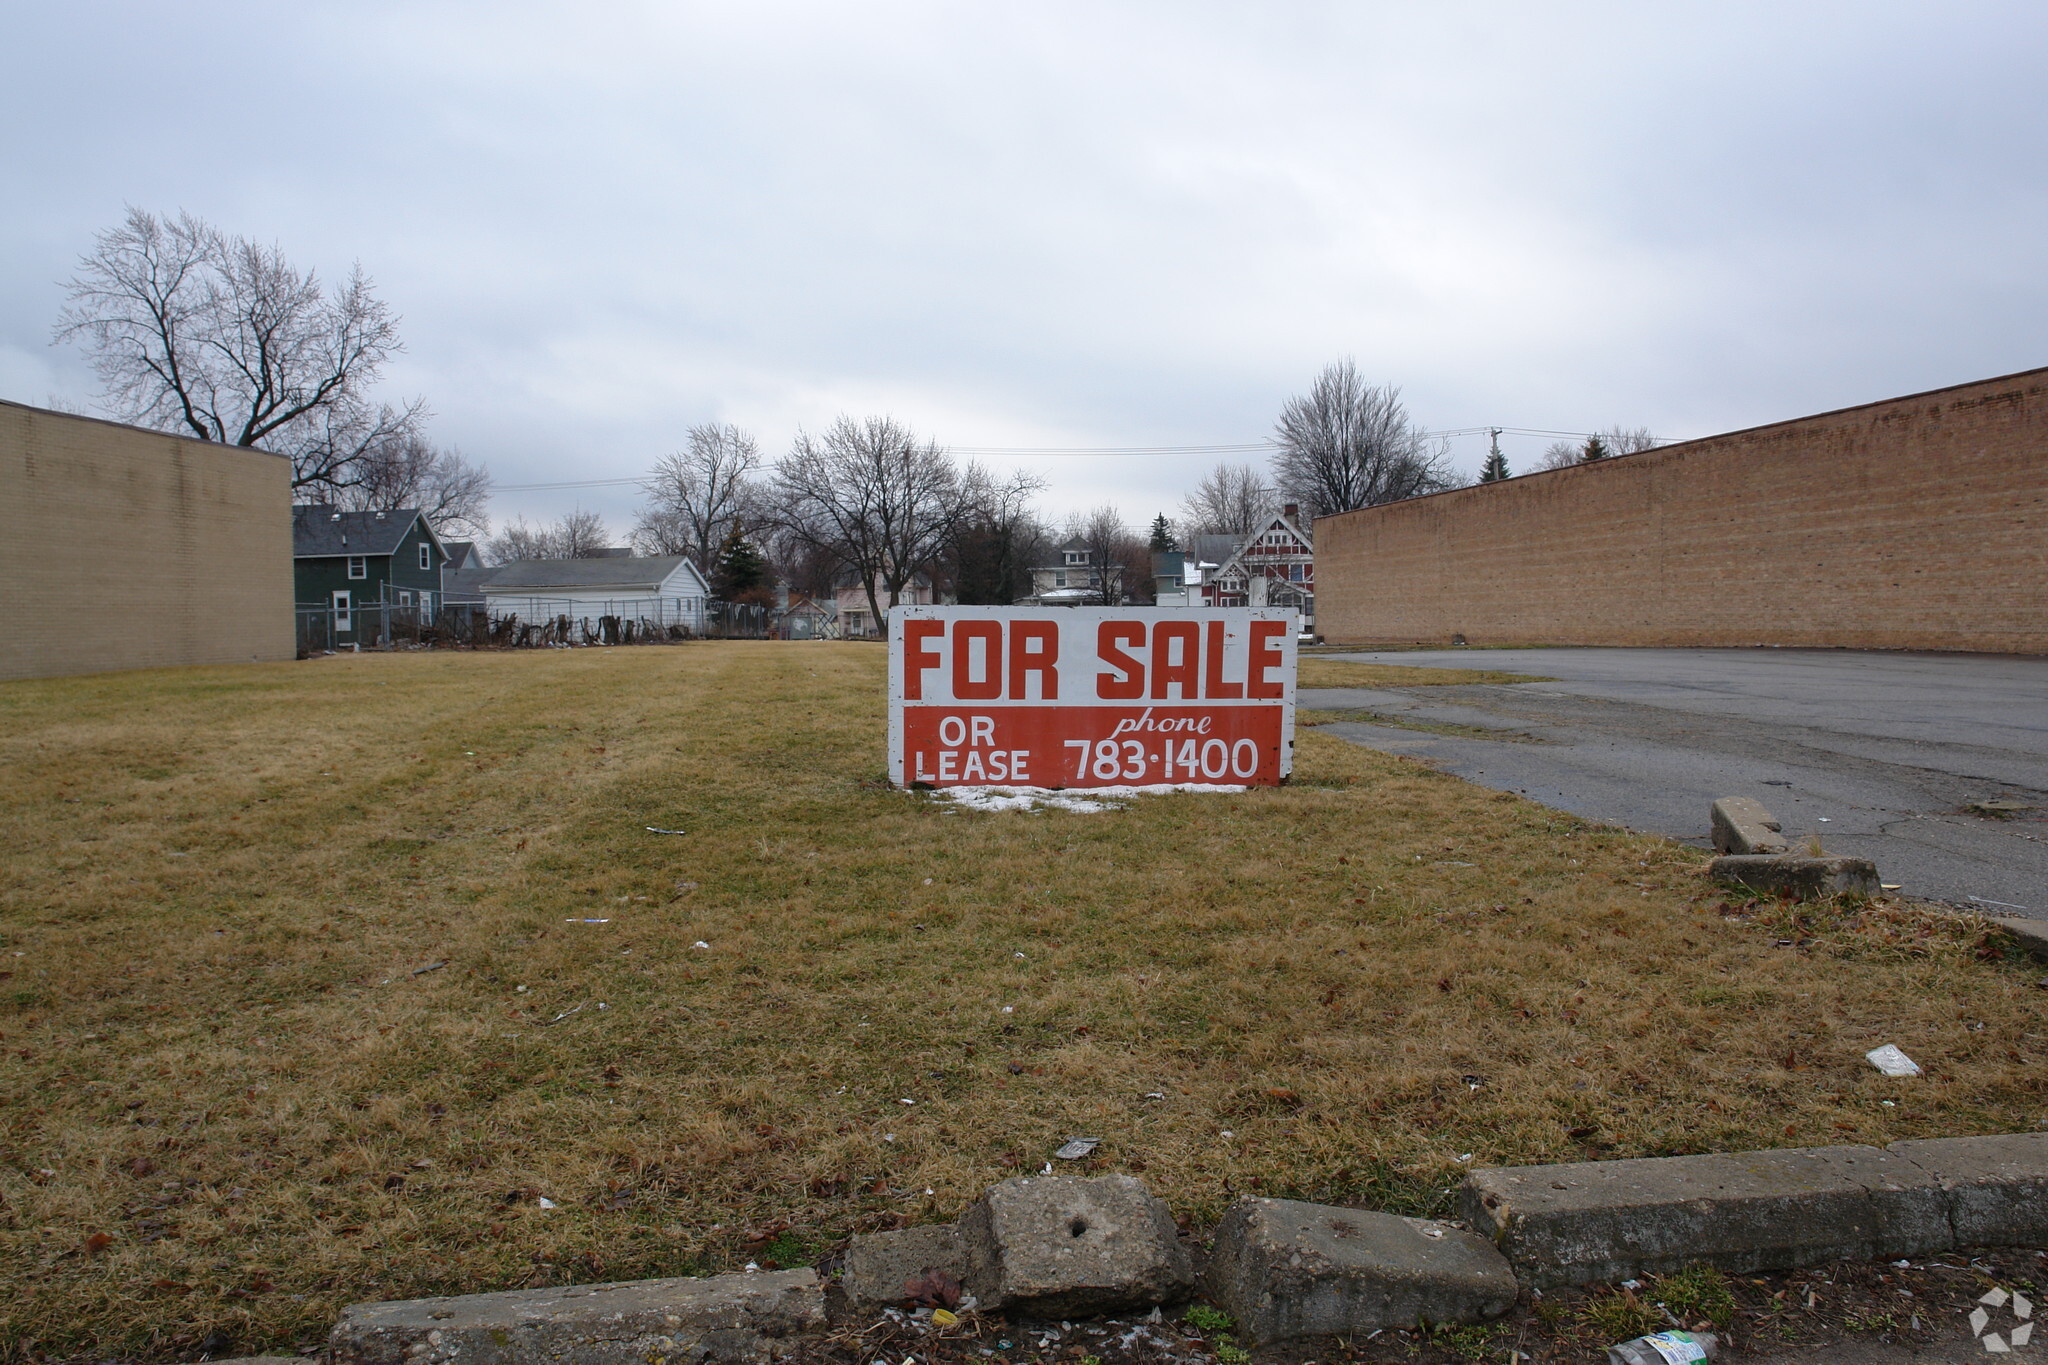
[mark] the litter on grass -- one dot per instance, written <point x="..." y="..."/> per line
<point x="652" y="830"/>
<point x="1891" y="1061"/>
<point x="430" y="967"/>
<point x="1074" y="1148"/>
<point x="1079" y="800"/>
<point x="586" y="921"/>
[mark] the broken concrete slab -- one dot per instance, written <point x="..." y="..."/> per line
<point x="1065" y="1246"/>
<point x="2030" y="936"/>
<point x="1802" y="878"/>
<point x="1997" y="1187"/>
<point x="1741" y="825"/>
<point x="880" y="1264"/>
<point x="1609" y="1220"/>
<point x="1287" y="1269"/>
<point x="725" y="1319"/>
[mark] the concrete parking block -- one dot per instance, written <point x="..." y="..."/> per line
<point x="1609" y="1220"/>
<point x="1803" y="878"/>
<point x="879" y="1264"/>
<point x="1997" y="1187"/>
<point x="1287" y="1269"/>
<point x="1059" y="1246"/>
<point x="1741" y="825"/>
<point x="725" y="1319"/>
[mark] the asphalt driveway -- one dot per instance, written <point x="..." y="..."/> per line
<point x="1878" y="755"/>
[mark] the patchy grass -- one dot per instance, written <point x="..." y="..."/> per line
<point x="1319" y="672"/>
<point x="230" y="1101"/>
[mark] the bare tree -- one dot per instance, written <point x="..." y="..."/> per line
<point x="1597" y="446"/>
<point x="1347" y="444"/>
<point x="1629" y="440"/>
<point x="194" y="331"/>
<point x="1231" y="500"/>
<point x="882" y="503"/>
<point x="1118" y="556"/>
<point x="698" y="497"/>
<point x="577" y="535"/>
<point x="411" y="471"/>
<point x="995" y="546"/>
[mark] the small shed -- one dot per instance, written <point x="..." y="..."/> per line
<point x="662" y="590"/>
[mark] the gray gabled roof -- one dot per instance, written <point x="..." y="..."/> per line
<point x="551" y="575"/>
<point x="324" y="532"/>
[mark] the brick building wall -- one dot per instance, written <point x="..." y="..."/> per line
<point x="126" y="548"/>
<point x="1915" y="523"/>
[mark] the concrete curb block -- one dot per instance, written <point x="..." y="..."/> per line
<point x="1287" y="1269"/>
<point x="1282" y="1268"/>
<point x="1770" y="1210"/>
<point x="2030" y="936"/>
<point x="725" y="1319"/>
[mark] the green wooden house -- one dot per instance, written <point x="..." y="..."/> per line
<point x="347" y="563"/>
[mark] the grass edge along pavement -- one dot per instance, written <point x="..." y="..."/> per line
<point x="264" y="1049"/>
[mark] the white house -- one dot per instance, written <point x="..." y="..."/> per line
<point x="664" y="590"/>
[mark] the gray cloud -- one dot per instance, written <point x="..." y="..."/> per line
<point x="1066" y="224"/>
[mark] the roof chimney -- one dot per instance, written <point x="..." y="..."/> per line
<point x="1292" y="511"/>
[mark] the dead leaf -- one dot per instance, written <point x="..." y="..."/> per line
<point x="936" y="1288"/>
<point x="97" y="1243"/>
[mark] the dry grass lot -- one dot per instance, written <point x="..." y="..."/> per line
<point x="235" y="1098"/>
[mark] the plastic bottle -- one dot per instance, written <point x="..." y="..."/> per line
<point x="1665" y="1348"/>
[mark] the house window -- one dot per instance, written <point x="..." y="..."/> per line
<point x="357" y="567"/>
<point x="1077" y="556"/>
<point x="1059" y="579"/>
<point x="426" y="555"/>
<point x="404" y="598"/>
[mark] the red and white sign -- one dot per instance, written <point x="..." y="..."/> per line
<point x="1090" y="696"/>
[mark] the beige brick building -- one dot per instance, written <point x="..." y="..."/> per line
<point x="127" y="548"/>
<point x="1914" y="523"/>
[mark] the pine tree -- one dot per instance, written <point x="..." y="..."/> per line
<point x="1163" y="542"/>
<point x="740" y="570"/>
<point x="1594" y="449"/>
<point x="1495" y="469"/>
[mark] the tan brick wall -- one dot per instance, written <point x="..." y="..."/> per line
<point x="124" y="548"/>
<point x="1917" y="523"/>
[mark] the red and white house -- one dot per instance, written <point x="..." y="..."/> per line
<point x="1274" y="567"/>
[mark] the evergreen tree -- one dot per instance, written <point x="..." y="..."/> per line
<point x="1163" y="542"/>
<point x="1594" y="449"/>
<point x="740" y="569"/>
<point x="1495" y="469"/>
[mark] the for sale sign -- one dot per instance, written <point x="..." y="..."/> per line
<point x="1091" y="696"/>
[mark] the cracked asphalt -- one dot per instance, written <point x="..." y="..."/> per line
<point x="1878" y="755"/>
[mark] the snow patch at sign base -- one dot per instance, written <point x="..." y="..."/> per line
<point x="1080" y="800"/>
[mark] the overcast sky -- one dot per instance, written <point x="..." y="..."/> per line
<point x="1067" y="225"/>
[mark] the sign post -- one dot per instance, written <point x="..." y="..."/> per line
<point x="1091" y="696"/>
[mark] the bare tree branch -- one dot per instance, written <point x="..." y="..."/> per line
<point x="882" y="503"/>
<point x="411" y="471"/>
<point x="191" y="330"/>
<point x="1231" y="500"/>
<point x="697" y="498"/>
<point x="1347" y="444"/>
<point x="577" y="535"/>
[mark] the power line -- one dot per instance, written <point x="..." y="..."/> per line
<point x="1069" y="452"/>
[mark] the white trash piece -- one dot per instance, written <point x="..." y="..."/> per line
<point x="1891" y="1061"/>
<point x="1665" y="1348"/>
<point x="1077" y="1147"/>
